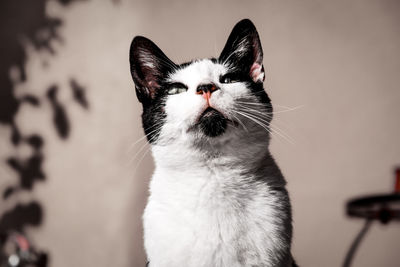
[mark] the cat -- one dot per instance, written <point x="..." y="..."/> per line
<point x="217" y="197"/>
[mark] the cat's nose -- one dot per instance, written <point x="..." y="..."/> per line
<point x="206" y="89"/>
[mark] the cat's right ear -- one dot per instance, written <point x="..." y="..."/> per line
<point x="243" y="51"/>
<point x="148" y="67"/>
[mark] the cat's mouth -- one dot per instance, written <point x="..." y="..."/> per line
<point x="212" y="122"/>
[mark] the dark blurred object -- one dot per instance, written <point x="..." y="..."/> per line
<point x="21" y="216"/>
<point x="16" y="251"/>
<point x="22" y="23"/>
<point x="383" y="208"/>
<point x="79" y="93"/>
<point x="60" y="118"/>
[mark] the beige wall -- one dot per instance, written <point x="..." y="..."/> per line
<point x="338" y="60"/>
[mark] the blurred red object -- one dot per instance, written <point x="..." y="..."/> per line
<point x="397" y="182"/>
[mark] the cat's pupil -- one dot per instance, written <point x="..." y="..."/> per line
<point x="228" y="78"/>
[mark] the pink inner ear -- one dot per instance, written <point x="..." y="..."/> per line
<point x="151" y="86"/>
<point x="257" y="73"/>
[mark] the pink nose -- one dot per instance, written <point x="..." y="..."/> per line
<point x="206" y="90"/>
<point x="207" y="95"/>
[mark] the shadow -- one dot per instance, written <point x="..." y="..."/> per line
<point x="60" y="119"/>
<point x="15" y="248"/>
<point x="26" y="22"/>
<point x="79" y="93"/>
<point x="29" y="170"/>
<point x="21" y="216"/>
<point x="21" y="21"/>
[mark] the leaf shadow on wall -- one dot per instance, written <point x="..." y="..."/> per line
<point x="26" y="21"/>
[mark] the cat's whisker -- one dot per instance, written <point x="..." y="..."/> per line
<point x="281" y="106"/>
<point x="278" y="130"/>
<point x="141" y="149"/>
<point x="276" y="119"/>
<point x="138" y="152"/>
<point x="281" y="123"/>
<point x="290" y="109"/>
<point x="135" y="143"/>
<point x="254" y="120"/>
<point x="274" y="112"/>
<point x="141" y="159"/>
<point x="264" y="126"/>
<point x="155" y="124"/>
<point x="286" y="109"/>
<point x="267" y="117"/>
<point x="271" y="129"/>
<point x="261" y="117"/>
<point x="251" y="103"/>
<point x="262" y="113"/>
<point x="143" y="137"/>
<point x="254" y="112"/>
<point x="282" y="133"/>
<point x="132" y="159"/>
<point x="240" y="122"/>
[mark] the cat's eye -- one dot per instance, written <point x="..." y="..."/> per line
<point x="229" y="78"/>
<point x="176" y="88"/>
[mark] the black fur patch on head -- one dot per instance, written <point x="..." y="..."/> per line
<point x="258" y="90"/>
<point x="243" y="51"/>
<point x="153" y="117"/>
<point x="149" y="68"/>
<point x="243" y="48"/>
<point x="212" y="123"/>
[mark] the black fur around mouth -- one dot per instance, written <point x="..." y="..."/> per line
<point x="212" y="123"/>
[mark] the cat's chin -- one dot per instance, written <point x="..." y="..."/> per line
<point x="212" y="123"/>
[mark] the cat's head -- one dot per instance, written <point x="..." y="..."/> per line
<point x="209" y="101"/>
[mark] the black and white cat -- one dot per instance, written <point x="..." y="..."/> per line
<point x="217" y="197"/>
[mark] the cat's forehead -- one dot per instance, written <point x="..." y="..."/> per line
<point x="197" y="72"/>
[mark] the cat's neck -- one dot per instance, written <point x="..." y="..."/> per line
<point x="243" y="165"/>
<point x="181" y="157"/>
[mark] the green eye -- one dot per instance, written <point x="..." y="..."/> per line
<point x="176" y="88"/>
<point x="229" y="78"/>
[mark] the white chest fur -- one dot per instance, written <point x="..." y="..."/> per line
<point x="217" y="197"/>
<point x="210" y="217"/>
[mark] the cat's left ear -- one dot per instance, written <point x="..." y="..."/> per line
<point x="149" y="65"/>
<point x="243" y="51"/>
